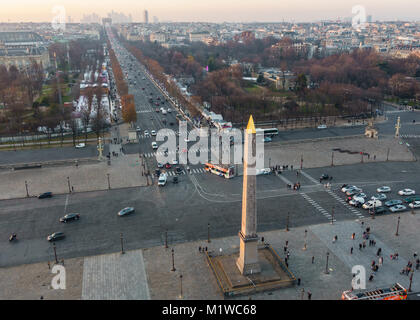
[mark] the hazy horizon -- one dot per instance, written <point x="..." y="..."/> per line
<point x="217" y="11"/>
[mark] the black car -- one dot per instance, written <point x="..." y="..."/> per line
<point x="178" y="170"/>
<point x="175" y="179"/>
<point x="324" y="176"/>
<point x="157" y="172"/>
<point x="55" y="236"/>
<point x="70" y="217"/>
<point x="45" y="195"/>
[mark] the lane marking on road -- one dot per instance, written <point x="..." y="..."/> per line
<point x="65" y="205"/>
<point x="316" y="205"/>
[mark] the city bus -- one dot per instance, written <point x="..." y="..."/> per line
<point x="268" y="132"/>
<point x="394" y="292"/>
<point x="220" y="170"/>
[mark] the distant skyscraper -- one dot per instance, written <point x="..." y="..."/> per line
<point x="369" y="19"/>
<point x="145" y="16"/>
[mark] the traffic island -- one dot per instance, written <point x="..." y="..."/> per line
<point x="274" y="273"/>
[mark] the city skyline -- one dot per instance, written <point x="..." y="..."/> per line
<point x="218" y="11"/>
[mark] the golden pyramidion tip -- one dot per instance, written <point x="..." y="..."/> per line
<point x="250" y="127"/>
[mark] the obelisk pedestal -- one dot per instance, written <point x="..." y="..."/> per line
<point x="248" y="249"/>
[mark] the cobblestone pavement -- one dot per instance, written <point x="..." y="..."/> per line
<point x="319" y="153"/>
<point x="115" y="277"/>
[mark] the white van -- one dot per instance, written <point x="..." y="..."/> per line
<point x="162" y="179"/>
<point x="372" y="204"/>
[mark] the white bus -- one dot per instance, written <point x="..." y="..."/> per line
<point x="268" y="132"/>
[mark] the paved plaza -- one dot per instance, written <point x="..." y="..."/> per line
<point x="146" y="273"/>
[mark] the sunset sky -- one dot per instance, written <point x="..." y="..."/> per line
<point x="212" y="11"/>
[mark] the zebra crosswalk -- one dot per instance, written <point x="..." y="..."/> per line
<point x="184" y="172"/>
<point x="410" y="136"/>
<point x="317" y="207"/>
<point x="154" y="154"/>
<point x="397" y="111"/>
<point x="344" y="203"/>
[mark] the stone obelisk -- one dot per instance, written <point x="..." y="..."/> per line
<point x="248" y="253"/>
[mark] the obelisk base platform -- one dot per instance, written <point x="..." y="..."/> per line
<point x="247" y="262"/>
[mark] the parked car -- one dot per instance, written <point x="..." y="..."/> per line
<point x="126" y="211"/>
<point x="391" y="203"/>
<point x="168" y="165"/>
<point x="383" y="189"/>
<point x="359" y="198"/>
<point x="178" y="170"/>
<point x="174" y="162"/>
<point x="347" y="188"/>
<point x="55" y="236"/>
<point x="153" y="133"/>
<point x="372" y="204"/>
<point x="353" y="191"/>
<point x="406" y="192"/>
<point x="160" y="165"/>
<point x="154" y="145"/>
<point x="70" y="217"/>
<point x="377" y="210"/>
<point x="415" y="204"/>
<point x="412" y="199"/>
<point x="379" y="196"/>
<point x="45" y="195"/>
<point x="322" y="126"/>
<point x="398" y="208"/>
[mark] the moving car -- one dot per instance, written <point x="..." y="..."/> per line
<point x="322" y="126"/>
<point x="153" y="133"/>
<point x="325" y="176"/>
<point x="160" y="165"/>
<point x="383" y="189"/>
<point x="175" y="180"/>
<point x="174" y="162"/>
<point x="415" y="204"/>
<point x="379" y="196"/>
<point x="146" y="133"/>
<point x="138" y="129"/>
<point x="372" y="204"/>
<point x="391" y="203"/>
<point x="80" y="145"/>
<point x="154" y="145"/>
<point x="178" y="170"/>
<point x="45" y="195"/>
<point x="162" y="179"/>
<point x="55" y="236"/>
<point x="406" y="192"/>
<point x="267" y="139"/>
<point x="398" y="208"/>
<point x="126" y="211"/>
<point x="70" y="217"/>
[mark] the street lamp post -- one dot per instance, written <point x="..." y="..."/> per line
<point x="26" y="186"/>
<point x="166" y="239"/>
<point x="122" y="243"/>
<point x="387" y="154"/>
<point x="304" y="245"/>
<point x="332" y="159"/>
<point x="173" y="260"/>
<point x="287" y="222"/>
<point x="109" y="184"/>
<point x="398" y="226"/>
<point x="411" y="280"/>
<point x="208" y="232"/>
<point x="180" y="278"/>
<point x="301" y="162"/>
<point x="332" y="215"/>
<point x="326" y="267"/>
<point x="68" y="183"/>
<point x="55" y="253"/>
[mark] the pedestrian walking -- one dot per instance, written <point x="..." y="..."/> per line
<point x="291" y="167"/>
<point x="49" y="265"/>
<point x="353" y="236"/>
<point x="378" y="253"/>
<point x="309" y="295"/>
<point x="374" y="157"/>
<point x="360" y="246"/>
<point x="381" y="261"/>
<point x="72" y="189"/>
<point x="364" y="244"/>
<point x="313" y="258"/>
<point x="371" y="277"/>
<point x="351" y="250"/>
<point x="199" y="249"/>
<point x="335" y="238"/>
